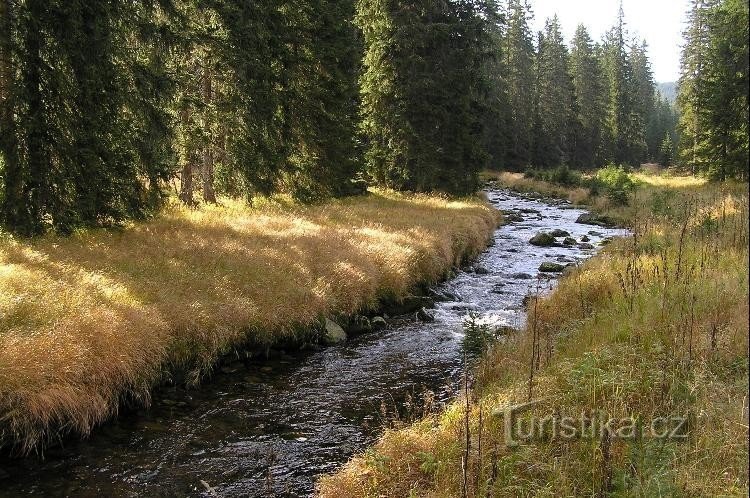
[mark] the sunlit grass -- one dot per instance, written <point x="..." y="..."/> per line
<point x="657" y="325"/>
<point x="92" y="319"/>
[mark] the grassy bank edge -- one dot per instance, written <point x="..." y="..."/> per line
<point x="84" y="328"/>
<point x="427" y="458"/>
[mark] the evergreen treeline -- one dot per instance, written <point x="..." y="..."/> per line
<point x="713" y="89"/>
<point x="105" y="106"/>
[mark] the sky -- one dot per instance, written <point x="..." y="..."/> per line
<point x="660" y="22"/>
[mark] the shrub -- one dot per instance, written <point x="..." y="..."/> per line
<point x="615" y="183"/>
<point x="562" y="175"/>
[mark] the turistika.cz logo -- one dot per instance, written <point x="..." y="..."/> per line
<point x="525" y="429"/>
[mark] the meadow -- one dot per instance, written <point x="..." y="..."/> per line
<point x="655" y="326"/>
<point x="97" y="319"/>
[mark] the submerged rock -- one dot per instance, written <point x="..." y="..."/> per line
<point x="542" y="239"/>
<point x="569" y="241"/>
<point x="549" y="267"/>
<point x="481" y="270"/>
<point x="334" y="334"/>
<point x="410" y="304"/>
<point x="359" y="325"/>
<point x="522" y="276"/>
<point x="378" y="323"/>
<point x="586" y="247"/>
<point x="425" y="316"/>
<point x="511" y="217"/>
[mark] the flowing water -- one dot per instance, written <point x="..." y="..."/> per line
<point x="271" y="429"/>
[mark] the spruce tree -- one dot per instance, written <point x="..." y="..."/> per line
<point x="423" y="62"/>
<point x="554" y="99"/>
<point x="587" y="78"/>
<point x="519" y="54"/>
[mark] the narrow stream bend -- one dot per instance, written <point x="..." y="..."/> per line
<point x="272" y="429"/>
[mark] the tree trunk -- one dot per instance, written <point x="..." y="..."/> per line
<point x="35" y="190"/>
<point x="209" y="195"/>
<point x="186" y="175"/>
<point x="12" y="201"/>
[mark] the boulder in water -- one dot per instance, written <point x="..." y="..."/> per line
<point x="425" y="316"/>
<point x="598" y="220"/>
<point x="378" y="323"/>
<point x="359" y="325"/>
<point x="542" y="239"/>
<point x="549" y="267"/>
<point x="559" y="233"/>
<point x="334" y="334"/>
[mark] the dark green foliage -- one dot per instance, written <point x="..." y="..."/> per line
<point x="519" y="54"/>
<point x="421" y="107"/>
<point x="478" y="337"/>
<point x="562" y="175"/>
<point x="554" y="89"/>
<point x="713" y="91"/>
<point x="663" y="121"/>
<point x="88" y="141"/>
<point x="666" y="151"/>
<point x="588" y="85"/>
<point x="615" y="183"/>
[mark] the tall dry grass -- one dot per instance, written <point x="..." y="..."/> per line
<point x="657" y="325"/>
<point x="97" y="318"/>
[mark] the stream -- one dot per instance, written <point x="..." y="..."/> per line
<point x="273" y="428"/>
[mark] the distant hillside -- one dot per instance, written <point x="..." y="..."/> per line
<point x="668" y="90"/>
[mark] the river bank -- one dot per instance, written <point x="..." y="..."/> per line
<point x="653" y="328"/>
<point x="98" y="319"/>
<point x="273" y="427"/>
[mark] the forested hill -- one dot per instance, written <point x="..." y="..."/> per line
<point x="105" y="107"/>
<point x="668" y="90"/>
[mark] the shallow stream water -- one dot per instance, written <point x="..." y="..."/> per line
<point x="273" y="428"/>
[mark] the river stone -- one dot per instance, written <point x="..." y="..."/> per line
<point x="378" y="323"/>
<point x="549" y="267"/>
<point x="334" y="334"/>
<point x="521" y="276"/>
<point x="233" y="368"/>
<point x="359" y="325"/>
<point x="425" y="316"/>
<point x="542" y="240"/>
<point x="481" y="270"/>
<point x="598" y="220"/>
<point x="559" y="233"/>
<point x="511" y="217"/>
<point x="586" y="247"/>
<point x="569" y="241"/>
<point x="585" y="239"/>
<point x="411" y="304"/>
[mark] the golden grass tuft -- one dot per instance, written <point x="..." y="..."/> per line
<point x="101" y="316"/>
<point x="656" y="325"/>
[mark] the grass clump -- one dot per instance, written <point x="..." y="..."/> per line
<point x="97" y="318"/>
<point x="655" y="326"/>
